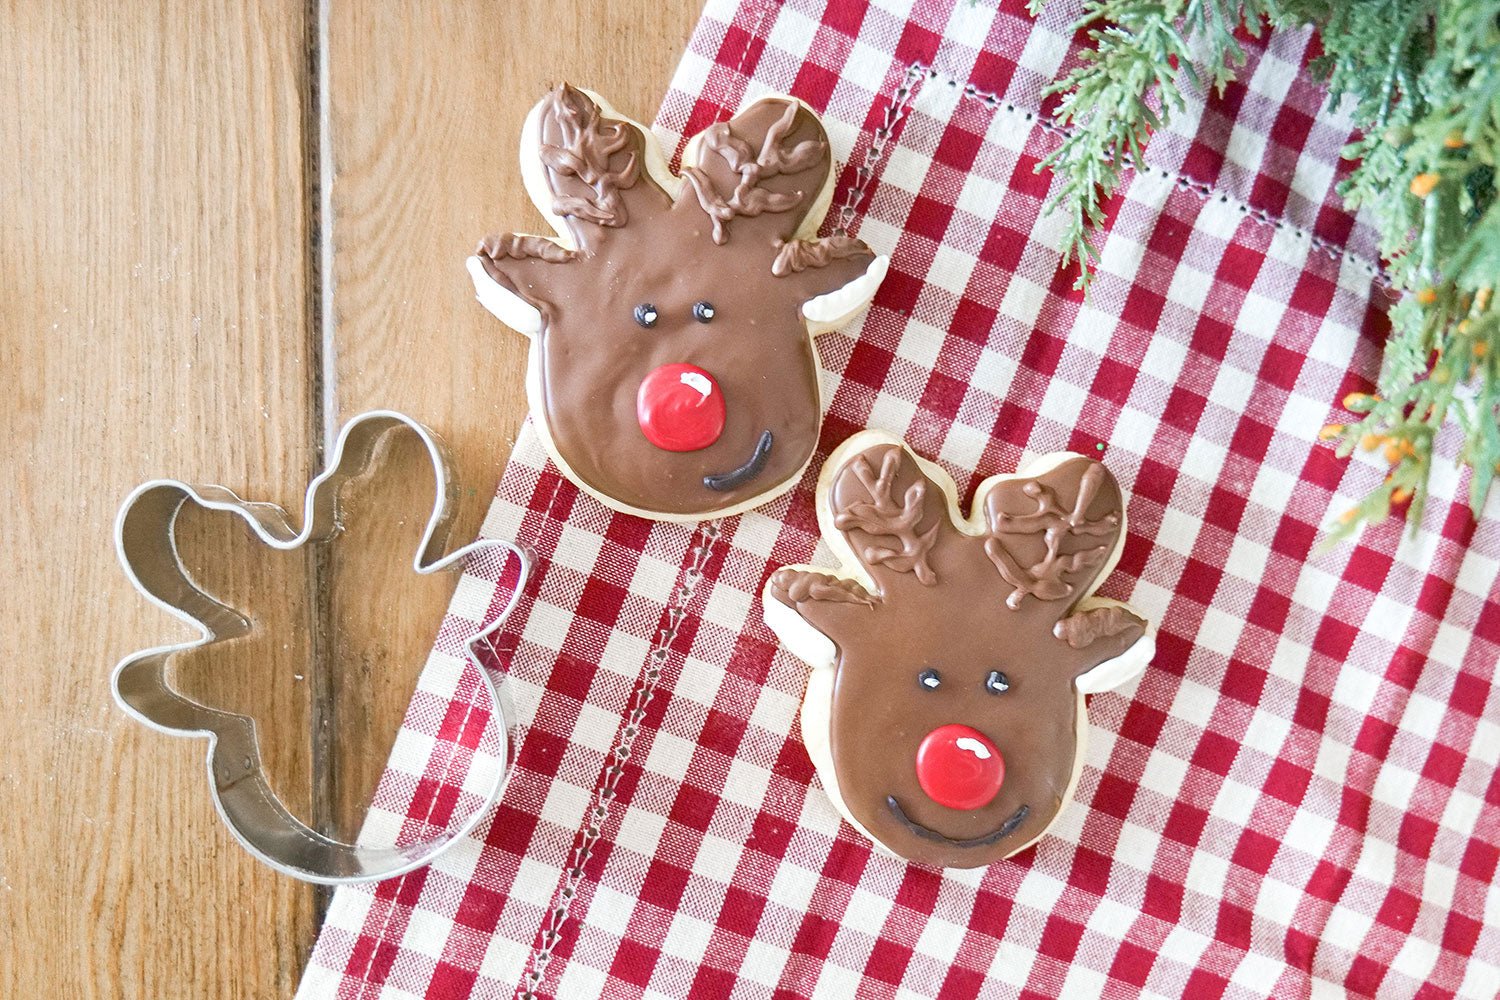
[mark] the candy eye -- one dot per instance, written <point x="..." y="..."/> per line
<point x="929" y="679"/>
<point x="645" y="314"/>
<point x="996" y="683"/>
<point x="703" y="311"/>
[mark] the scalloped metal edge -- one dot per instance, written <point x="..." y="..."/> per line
<point x="145" y="542"/>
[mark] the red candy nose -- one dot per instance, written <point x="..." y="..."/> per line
<point x="959" y="767"/>
<point x="680" y="407"/>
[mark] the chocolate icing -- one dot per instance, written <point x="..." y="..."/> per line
<point x="799" y="255"/>
<point x="1084" y="628"/>
<point x="961" y="625"/>
<point x="751" y="196"/>
<point x="880" y="517"/>
<point x="583" y="145"/>
<point x="591" y="354"/>
<point x="516" y="247"/>
<point x="793" y="586"/>
<point x="1046" y="578"/>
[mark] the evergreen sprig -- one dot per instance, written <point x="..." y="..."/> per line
<point x="1423" y="77"/>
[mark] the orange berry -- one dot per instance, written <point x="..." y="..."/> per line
<point x="1407" y="448"/>
<point x="1427" y="296"/>
<point x="1401" y="494"/>
<point x="1330" y="431"/>
<point x="1348" y="515"/>
<point x="1370" y="442"/>
<point x="1422" y="184"/>
<point x="1481" y="349"/>
<point x="1482" y="298"/>
<point x="1392" y="453"/>
<point x="1455" y="140"/>
<point x="1355" y="400"/>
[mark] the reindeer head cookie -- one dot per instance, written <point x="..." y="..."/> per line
<point x="950" y="657"/>
<point x="672" y="370"/>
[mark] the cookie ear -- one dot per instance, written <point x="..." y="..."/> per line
<point x="837" y="275"/>
<point x="1051" y="536"/>
<point x="806" y="607"/>
<point x="766" y="175"/>
<point x="1112" y="630"/>
<point x="498" y="279"/>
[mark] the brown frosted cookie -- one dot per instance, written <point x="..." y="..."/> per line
<point x="945" y="711"/>
<point x="672" y="371"/>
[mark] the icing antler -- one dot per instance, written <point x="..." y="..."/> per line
<point x="513" y="246"/>
<point x="1082" y="629"/>
<point x="1046" y="578"/>
<point x="882" y="517"/>
<point x="796" y="256"/>
<point x="589" y="162"/>
<point x="586" y="142"/>
<point x="798" y="585"/>
<point x="750" y="196"/>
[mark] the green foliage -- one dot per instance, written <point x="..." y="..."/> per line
<point x="1423" y="79"/>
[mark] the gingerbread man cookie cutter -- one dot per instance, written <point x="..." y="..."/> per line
<point x="145" y="539"/>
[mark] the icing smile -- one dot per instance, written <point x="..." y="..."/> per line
<point x="731" y="480"/>
<point x="1006" y="828"/>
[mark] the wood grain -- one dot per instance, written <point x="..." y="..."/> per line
<point x="425" y="163"/>
<point x="162" y="314"/>
<point x="152" y="294"/>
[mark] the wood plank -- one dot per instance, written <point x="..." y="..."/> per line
<point x="153" y="295"/>
<point x="424" y="165"/>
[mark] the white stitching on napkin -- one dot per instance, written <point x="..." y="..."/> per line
<point x="660" y="649"/>
<point x="900" y="101"/>
<point x="1332" y="251"/>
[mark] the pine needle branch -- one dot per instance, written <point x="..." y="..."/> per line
<point x="1423" y="77"/>
<point x="1125" y="88"/>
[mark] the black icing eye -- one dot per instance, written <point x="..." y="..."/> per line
<point x="645" y="314"/>
<point x="703" y="311"/>
<point x="996" y="683"/>
<point x="929" y="679"/>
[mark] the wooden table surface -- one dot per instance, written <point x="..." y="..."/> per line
<point x="225" y="227"/>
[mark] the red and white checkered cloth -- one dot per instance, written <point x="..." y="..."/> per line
<point x="1301" y="797"/>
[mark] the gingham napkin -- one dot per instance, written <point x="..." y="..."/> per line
<point x="1300" y="798"/>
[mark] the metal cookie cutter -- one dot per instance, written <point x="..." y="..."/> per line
<point x="146" y="542"/>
